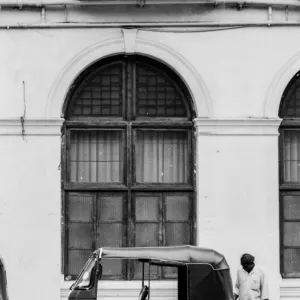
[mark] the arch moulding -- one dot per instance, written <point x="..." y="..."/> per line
<point x="278" y="85"/>
<point x="153" y="49"/>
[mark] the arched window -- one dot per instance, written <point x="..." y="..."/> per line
<point x="128" y="171"/>
<point x="290" y="179"/>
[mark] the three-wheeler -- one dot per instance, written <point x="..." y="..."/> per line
<point x="202" y="274"/>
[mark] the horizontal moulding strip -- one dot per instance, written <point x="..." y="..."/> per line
<point x="44" y="3"/>
<point x="192" y="26"/>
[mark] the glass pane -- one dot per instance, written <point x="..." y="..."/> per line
<point x="291" y="156"/>
<point x="146" y="208"/>
<point x="96" y="156"/>
<point x="76" y="260"/>
<point x="292" y="260"/>
<point x="146" y="234"/>
<point x="80" y="235"/>
<point x="291" y="234"/>
<point x="291" y="100"/>
<point x="291" y="207"/>
<point x="109" y="235"/>
<point x="177" y="208"/>
<point x="157" y="96"/>
<point x="138" y="271"/>
<point x="100" y="95"/>
<point x="80" y="208"/>
<point x="162" y="157"/>
<point x="177" y="234"/>
<point x="110" y="208"/>
<point x="112" y="267"/>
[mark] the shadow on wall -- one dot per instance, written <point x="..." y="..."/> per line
<point x="3" y="282"/>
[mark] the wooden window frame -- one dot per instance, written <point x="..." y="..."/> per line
<point x="286" y="188"/>
<point x="129" y="123"/>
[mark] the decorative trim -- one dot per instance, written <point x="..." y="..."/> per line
<point x="290" y="289"/>
<point x="30" y="127"/>
<point x="154" y="49"/>
<point x="278" y="85"/>
<point x="129" y="40"/>
<point x="239" y="127"/>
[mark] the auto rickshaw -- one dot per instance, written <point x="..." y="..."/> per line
<point x="203" y="274"/>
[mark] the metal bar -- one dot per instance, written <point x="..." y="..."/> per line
<point x="44" y="3"/>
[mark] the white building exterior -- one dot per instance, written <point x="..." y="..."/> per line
<point x="236" y="71"/>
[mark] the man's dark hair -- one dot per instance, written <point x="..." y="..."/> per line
<point x="247" y="259"/>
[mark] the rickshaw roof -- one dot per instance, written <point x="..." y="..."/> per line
<point x="172" y="255"/>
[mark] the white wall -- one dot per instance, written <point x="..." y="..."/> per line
<point x="30" y="214"/>
<point x="237" y="173"/>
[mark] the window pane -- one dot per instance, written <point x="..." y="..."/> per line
<point x="291" y="234"/>
<point x="291" y="207"/>
<point x="156" y="95"/>
<point x="96" y="156"/>
<point x="146" y="220"/>
<point x="80" y="235"/>
<point x="138" y="271"/>
<point x="291" y="156"/>
<point x="146" y="229"/>
<point x="109" y="235"/>
<point x="146" y="208"/>
<point x="80" y="208"/>
<point x="76" y="260"/>
<point x="177" y="208"/>
<point x="101" y="95"/>
<point x="291" y="100"/>
<point x="110" y="208"/>
<point x="110" y="221"/>
<point x="292" y="261"/>
<point x="177" y="234"/>
<point x="146" y="235"/>
<point x="162" y="157"/>
<point x="112" y="268"/>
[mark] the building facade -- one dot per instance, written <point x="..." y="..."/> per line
<point x="136" y="123"/>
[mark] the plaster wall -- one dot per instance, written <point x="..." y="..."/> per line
<point x="30" y="215"/>
<point x="237" y="173"/>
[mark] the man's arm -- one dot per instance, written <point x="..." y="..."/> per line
<point x="264" y="287"/>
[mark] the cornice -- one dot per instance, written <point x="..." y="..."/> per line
<point x="237" y="127"/>
<point x="15" y="127"/>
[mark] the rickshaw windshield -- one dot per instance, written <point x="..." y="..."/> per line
<point x="84" y="280"/>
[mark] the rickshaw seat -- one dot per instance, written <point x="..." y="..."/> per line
<point x="143" y="293"/>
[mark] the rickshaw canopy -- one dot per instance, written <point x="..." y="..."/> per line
<point x="170" y="255"/>
<point x="202" y="273"/>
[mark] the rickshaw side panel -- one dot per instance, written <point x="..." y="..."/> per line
<point x="205" y="283"/>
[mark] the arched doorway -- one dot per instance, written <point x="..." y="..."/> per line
<point x="128" y="162"/>
<point x="290" y="178"/>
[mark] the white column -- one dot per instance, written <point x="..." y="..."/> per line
<point x="238" y="191"/>
<point x="30" y="207"/>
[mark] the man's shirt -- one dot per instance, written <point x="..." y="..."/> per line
<point x="253" y="285"/>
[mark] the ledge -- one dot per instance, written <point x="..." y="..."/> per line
<point x="129" y="289"/>
<point x="238" y="127"/>
<point x="13" y="127"/>
<point x="290" y="289"/>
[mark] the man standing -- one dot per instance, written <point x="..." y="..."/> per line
<point x="251" y="282"/>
